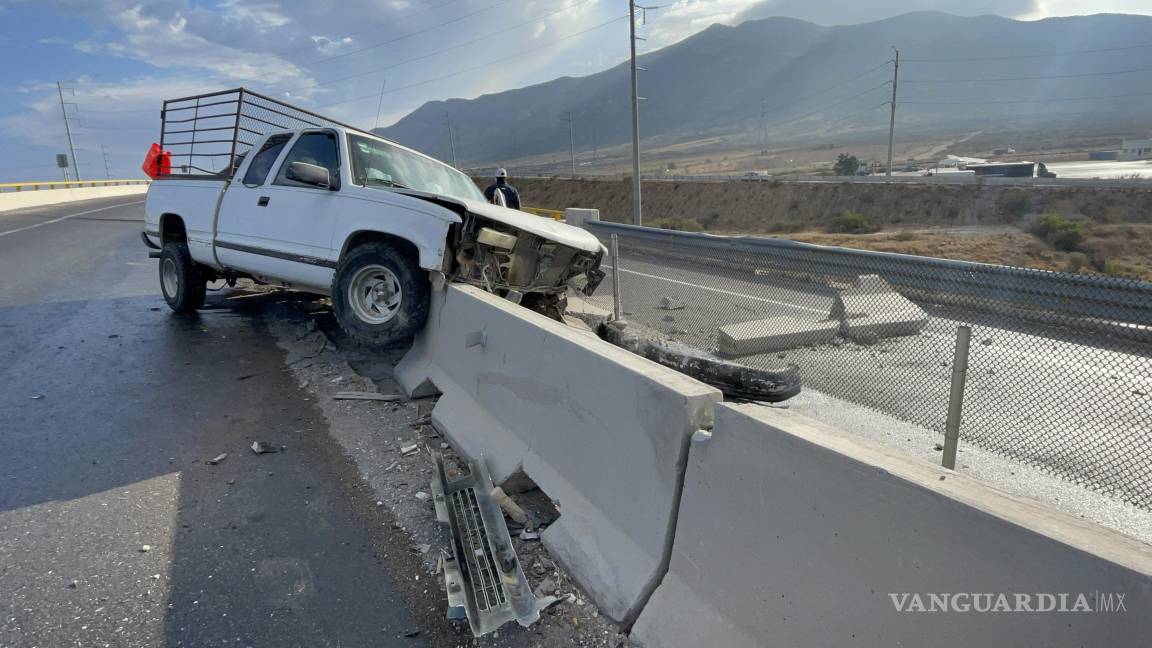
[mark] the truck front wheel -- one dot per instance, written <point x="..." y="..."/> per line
<point x="380" y="296"/>
<point x="180" y="279"/>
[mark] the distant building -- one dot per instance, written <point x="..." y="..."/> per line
<point x="1136" y="150"/>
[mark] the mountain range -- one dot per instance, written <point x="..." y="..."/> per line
<point x="781" y="79"/>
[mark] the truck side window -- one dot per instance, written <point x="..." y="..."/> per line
<point x="262" y="164"/>
<point x="312" y="148"/>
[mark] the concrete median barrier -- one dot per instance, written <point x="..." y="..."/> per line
<point x="774" y="334"/>
<point x="795" y="534"/>
<point x="600" y="430"/>
<point x="871" y="309"/>
<point x="10" y="200"/>
<point x="577" y="216"/>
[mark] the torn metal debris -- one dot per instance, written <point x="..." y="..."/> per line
<point x="483" y="576"/>
<point x="362" y="395"/>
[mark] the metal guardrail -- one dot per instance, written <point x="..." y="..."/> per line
<point x="13" y="187"/>
<point x="947" y="179"/>
<point x="546" y="213"/>
<point x="1124" y="305"/>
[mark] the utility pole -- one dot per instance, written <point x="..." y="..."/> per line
<point x="451" y="139"/>
<point x="764" y="121"/>
<point x="572" y="143"/>
<point x="892" y="122"/>
<point x="379" y="105"/>
<point x="68" y="131"/>
<point x="107" y="166"/>
<point x="637" y="218"/>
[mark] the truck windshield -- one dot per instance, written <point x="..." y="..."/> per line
<point x="379" y="164"/>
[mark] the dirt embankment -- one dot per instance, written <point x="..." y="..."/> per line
<point x="977" y="223"/>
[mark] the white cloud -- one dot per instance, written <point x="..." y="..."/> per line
<point x="327" y="46"/>
<point x="264" y="16"/>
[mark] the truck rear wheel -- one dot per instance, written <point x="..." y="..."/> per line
<point x="379" y="295"/>
<point x="180" y="278"/>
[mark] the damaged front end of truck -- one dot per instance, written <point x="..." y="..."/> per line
<point x="527" y="267"/>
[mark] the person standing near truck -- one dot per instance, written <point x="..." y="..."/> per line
<point x="502" y="193"/>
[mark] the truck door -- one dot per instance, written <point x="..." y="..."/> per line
<point x="277" y="228"/>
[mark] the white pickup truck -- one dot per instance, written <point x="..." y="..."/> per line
<point x="343" y="213"/>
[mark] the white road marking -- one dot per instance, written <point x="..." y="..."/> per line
<point x="63" y="218"/>
<point x="1046" y="358"/>
<point x="822" y="311"/>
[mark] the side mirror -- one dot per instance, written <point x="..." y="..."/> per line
<point x="311" y="174"/>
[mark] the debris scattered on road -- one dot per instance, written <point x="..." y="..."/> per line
<point x="1139" y="392"/>
<point x="217" y="459"/>
<point x="73" y="584"/>
<point x="670" y="303"/>
<point x="155" y="576"/>
<point x="260" y="447"/>
<point x="546" y="587"/>
<point x="412" y="633"/>
<point x="37" y="396"/>
<point x="361" y="395"/>
<point x="509" y="506"/>
<point x="422" y="496"/>
<point x="938" y="447"/>
<point x="409" y="449"/>
<point x="145" y="548"/>
<point x="570" y="598"/>
<point x="986" y="342"/>
<point x="525" y="534"/>
<point x="423" y="548"/>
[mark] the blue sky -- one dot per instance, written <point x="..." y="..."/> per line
<point x="119" y="58"/>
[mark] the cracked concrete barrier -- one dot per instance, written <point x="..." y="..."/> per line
<point x="602" y="431"/>
<point x="871" y="309"/>
<point x="774" y="334"/>
<point x="792" y="533"/>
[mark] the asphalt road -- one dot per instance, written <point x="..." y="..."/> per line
<point x="1078" y="406"/>
<point x="111" y="405"/>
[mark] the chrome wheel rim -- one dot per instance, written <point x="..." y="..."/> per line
<point x="169" y="278"/>
<point x="374" y="294"/>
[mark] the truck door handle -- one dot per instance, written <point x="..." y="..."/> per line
<point x="262" y="202"/>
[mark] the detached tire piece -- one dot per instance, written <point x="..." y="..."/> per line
<point x="380" y="295"/>
<point x="180" y="279"/>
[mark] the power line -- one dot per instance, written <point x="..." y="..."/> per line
<point x="828" y="88"/>
<point x="1027" y="101"/>
<point x="478" y="67"/>
<point x="831" y="105"/>
<point x="408" y="35"/>
<point x="343" y="54"/>
<point x="1028" y="56"/>
<point x="376" y="26"/>
<point x="437" y="52"/>
<point x="1035" y="78"/>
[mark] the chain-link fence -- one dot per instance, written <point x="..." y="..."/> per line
<point x="1059" y="376"/>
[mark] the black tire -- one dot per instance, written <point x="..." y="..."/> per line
<point x="184" y="287"/>
<point x="380" y="316"/>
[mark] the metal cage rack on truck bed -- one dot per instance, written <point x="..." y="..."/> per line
<point x="207" y="135"/>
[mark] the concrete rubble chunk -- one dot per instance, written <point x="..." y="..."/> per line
<point x="774" y="334"/>
<point x="870" y="309"/>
